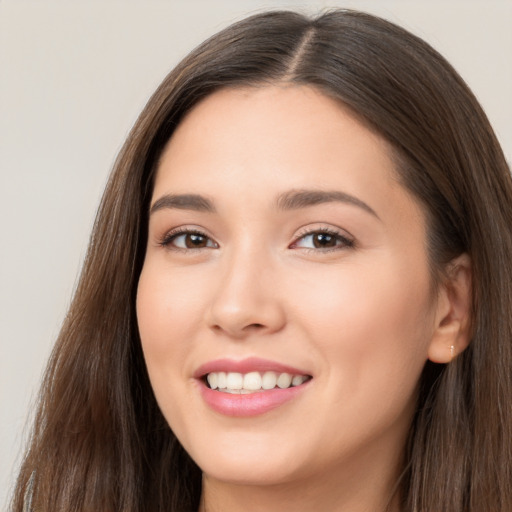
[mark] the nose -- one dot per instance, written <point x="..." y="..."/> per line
<point x="246" y="301"/>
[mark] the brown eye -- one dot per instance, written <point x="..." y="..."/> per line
<point x="188" y="240"/>
<point x="323" y="240"/>
<point x="195" y="241"/>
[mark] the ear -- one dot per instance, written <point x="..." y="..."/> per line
<point x="452" y="328"/>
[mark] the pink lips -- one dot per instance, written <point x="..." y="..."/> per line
<point x="251" y="404"/>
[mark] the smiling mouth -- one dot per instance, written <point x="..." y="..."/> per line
<point x="252" y="382"/>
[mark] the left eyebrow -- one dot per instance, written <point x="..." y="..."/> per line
<point x="183" y="202"/>
<point x="296" y="199"/>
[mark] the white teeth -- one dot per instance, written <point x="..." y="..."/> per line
<point x="252" y="381"/>
<point x="221" y="380"/>
<point x="269" y="380"/>
<point x="298" y="380"/>
<point x="238" y="383"/>
<point x="213" y="379"/>
<point x="284" y="380"/>
<point x="234" y="380"/>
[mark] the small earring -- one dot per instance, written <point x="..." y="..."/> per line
<point x="452" y="352"/>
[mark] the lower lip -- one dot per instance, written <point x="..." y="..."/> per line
<point x="251" y="404"/>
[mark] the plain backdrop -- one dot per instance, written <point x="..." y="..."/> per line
<point x="73" y="78"/>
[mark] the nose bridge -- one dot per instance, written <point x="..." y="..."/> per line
<point x="245" y="300"/>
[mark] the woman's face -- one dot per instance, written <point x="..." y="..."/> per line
<point x="281" y="246"/>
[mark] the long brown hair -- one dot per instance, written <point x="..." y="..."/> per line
<point x="100" y="442"/>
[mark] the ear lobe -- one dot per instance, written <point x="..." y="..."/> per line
<point x="452" y="329"/>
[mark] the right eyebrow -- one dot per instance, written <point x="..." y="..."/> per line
<point x="183" y="202"/>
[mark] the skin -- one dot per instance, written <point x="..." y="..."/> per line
<point x="360" y="317"/>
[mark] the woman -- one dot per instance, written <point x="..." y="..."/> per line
<point x="297" y="293"/>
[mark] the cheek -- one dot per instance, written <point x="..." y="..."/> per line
<point x="372" y="323"/>
<point x="164" y="316"/>
<point x="169" y="307"/>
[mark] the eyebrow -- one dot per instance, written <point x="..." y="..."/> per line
<point x="183" y="202"/>
<point x="292" y="200"/>
<point x="296" y="199"/>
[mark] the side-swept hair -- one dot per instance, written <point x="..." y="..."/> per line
<point x="100" y="442"/>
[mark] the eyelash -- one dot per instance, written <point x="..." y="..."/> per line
<point x="171" y="236"/>
<point x="344" y="241"/>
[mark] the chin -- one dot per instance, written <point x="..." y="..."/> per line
<point x="247" y="462"/>
<point x="251" y="474"/>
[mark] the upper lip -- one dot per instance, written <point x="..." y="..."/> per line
<point x="250" y="364"/>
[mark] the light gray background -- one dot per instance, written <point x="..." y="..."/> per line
<point x="74" y="76"/>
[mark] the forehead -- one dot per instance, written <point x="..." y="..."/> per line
<point x="267" y="130"/>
